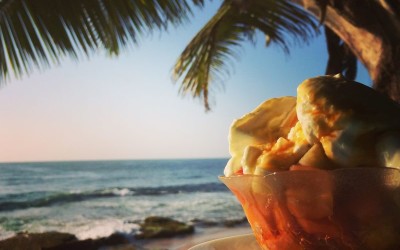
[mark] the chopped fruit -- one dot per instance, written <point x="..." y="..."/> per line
<point x="320" y="170"/>
<point x="239" y="172"/>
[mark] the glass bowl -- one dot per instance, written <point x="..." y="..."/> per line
<point x="355" y="208"/>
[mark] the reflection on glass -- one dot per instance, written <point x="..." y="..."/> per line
<point x="318" y="209"/>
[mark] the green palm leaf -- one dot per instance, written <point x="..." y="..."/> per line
<point x="206" y="58"/>
<point x="40" y="32"/>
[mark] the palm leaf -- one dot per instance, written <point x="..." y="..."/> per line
<point x="40" y="32"/>
<point x="206" y="58"/>
<point x="210" y="47"/>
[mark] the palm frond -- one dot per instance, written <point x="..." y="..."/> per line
<point x="40" y="32"/>
<point x="206" y="57"/>
<point x="208" y="53"/>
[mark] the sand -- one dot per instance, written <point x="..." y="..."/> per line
<point x="201" y="235"/>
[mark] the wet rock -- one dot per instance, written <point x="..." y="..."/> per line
<point x="121" y="247"/>
<point x="64" y="241"/>
<point x="232" y="223"/>
<point x="204" y="223"/>
<point x="114" y="240"/>
<point x="162" y="227"/>
<point x="36" y="241"/>
<point x="223" y="223"/>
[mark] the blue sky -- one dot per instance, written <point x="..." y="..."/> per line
<point x="127" y="107"/>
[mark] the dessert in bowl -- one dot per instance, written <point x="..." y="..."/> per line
<point x="319" y="171"/>
<point x="350" y="208"/>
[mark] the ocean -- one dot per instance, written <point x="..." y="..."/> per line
<point x="94" y="199"/>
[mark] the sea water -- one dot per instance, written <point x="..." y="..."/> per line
<point x="97" y="198"/>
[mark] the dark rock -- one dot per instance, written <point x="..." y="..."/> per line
<point x="224" y="223"/>
<point x="232" y="223"/>
<point x="204" y="223"/>
<point x="121" y="247"/>
<point x="36" y="241"/>
<point x="162" y="227"/>
<point x="65" y="241"/>
<point x="111" y="242"/>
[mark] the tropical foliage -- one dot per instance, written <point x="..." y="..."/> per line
<point x="205" y="59"/>
<point x="36" y="34"/>
<point x="40" y="32"/>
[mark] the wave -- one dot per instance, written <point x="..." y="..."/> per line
<point x="52" y="199"/>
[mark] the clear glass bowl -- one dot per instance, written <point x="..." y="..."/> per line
<point x="357" y="208"/>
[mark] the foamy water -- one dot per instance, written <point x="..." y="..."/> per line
<point x="96" y="199"/>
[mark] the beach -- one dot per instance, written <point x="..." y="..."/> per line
<point x="202" y="235"/>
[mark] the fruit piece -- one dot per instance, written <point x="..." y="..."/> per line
<point x="317" y="158"/>
<point x="269" y="121"/>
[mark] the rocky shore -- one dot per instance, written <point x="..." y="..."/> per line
<point x="152" y="229"/>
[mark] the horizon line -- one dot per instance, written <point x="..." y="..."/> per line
<point x="116" y="159"/>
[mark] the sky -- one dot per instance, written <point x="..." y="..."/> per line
<point x="127" y="107"/>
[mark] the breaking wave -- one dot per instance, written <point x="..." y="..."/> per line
<point x="44" y="199"/>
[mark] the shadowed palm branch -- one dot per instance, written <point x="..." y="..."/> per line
<point x="205" y="59"/>
<point x="39" y="33"/>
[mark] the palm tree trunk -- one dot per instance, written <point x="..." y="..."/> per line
<point x="371" y="29"/>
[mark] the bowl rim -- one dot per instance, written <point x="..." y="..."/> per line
<point x="314" y="171"/>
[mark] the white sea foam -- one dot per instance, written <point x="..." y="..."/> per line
<point x="4" y="234"/>
<point x="121" y="191"/>
<point x="90" y="201"/>
<point x="101" y="228"/>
